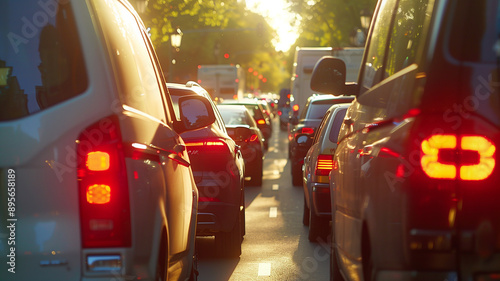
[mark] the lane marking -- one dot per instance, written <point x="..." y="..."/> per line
<point x="264" y="269"/>
<point x="276" y="186"/>
<point x="273" y="212"/>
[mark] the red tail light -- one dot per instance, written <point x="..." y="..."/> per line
<point x="210" y="145"/>
<point x="295" y="107"/>
<point x="103" y="186"/>
<point x="324" y="165"/>
<point x="452" y="157"/>
<point x="280" y="113"/>
<point x="253" y="138"/>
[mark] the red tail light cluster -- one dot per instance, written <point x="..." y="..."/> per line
<point x="211" y="145"/>
<point x="103" y="187"/>
<point x="450" y="156"/>
<point x="324" y="165"/>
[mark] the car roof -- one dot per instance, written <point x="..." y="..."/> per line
<point x="232" y="107"/>
<point x="325" y="97"/>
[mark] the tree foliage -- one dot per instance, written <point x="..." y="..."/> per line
<point x="214" y="32"/>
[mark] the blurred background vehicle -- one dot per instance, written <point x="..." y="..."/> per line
<point x="218" y="169"/>
<point x="261" y="118"/>
<point x="304" y="61"/>
<point x="242" y="128"/>
<point x="97" y="176"/>
<point x="222" y="82"/>
<point x="308" y="122"/>
<point x="284" y="108"/>
<point x="318" y="163"/>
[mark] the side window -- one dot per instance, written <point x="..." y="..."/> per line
<point x="374" y="65"/>
<point x="334" y="132"/>
<point x="139" y="83"/>
<point x="321" y="127"/>
<point x="407" y="35"/>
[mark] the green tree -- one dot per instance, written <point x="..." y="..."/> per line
<point x="212" y="29"/>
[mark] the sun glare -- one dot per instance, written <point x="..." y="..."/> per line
<point x="279" y="18"/>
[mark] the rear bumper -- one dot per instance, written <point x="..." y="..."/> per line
<point x="321" y="199"/>
<point x="216" y="217"/>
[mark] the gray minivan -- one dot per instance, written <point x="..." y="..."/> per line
<point x="95" y="180"/>
<point x="415" y="182"/>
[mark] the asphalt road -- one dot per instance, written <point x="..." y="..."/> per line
<point x="276" y="246"/>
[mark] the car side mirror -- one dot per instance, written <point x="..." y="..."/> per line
<point x="241" y="134"/>
<point x="304" y="140"/>
<point x="329" y="76"/>
<point x="195" y="112"/>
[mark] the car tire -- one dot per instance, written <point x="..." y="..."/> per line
<point x="228" y="244"/>
<point x="305" y="215"/>
<point x="318" y="227"/>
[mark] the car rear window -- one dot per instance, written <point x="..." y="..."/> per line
<point x="41" y="61"/>
<point x="317" y="109"/>
<point x="472" y="39"/>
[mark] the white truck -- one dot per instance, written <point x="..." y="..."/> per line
<point x="222" y="82"/>
<point x="306" y="58"/>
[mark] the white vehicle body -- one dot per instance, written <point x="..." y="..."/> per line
<point x="222" y="82"/>
<point x="304" y="62"/>
<point x="63" y="231"/>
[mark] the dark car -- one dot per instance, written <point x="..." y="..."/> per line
<point x="415" y="185"/>
<point x="310" y="118"/>
<point x="257" y="112"/>
<point x="218" y="169"/>
<point x="242" y="128"/>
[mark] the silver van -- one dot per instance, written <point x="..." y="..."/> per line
<point x="95" y="181"/>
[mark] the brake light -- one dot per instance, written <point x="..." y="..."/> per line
<point x="324" y="165"/>
<point x="209" y="145"/>
<point x="103" y="186"/>
<point x="451" y="157"/>
<point x="280" y="113"/>
<point x="98" y="161"/>
<point x="261" y="121"/>
<point x="252" y="138"/>
<point x="307" y="130"/>
<point x="295" y="107"/>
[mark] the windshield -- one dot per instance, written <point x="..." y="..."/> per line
<point x="41" y="62"/>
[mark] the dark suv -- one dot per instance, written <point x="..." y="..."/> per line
<point x="309" y="120"/>
<point x="415" y="182"/>
<point x="218" y="169"/>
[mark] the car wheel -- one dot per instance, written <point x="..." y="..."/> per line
<point x="228" y="244"/>
<point x="305" y="215"/>
<point x="318" y="227"/>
